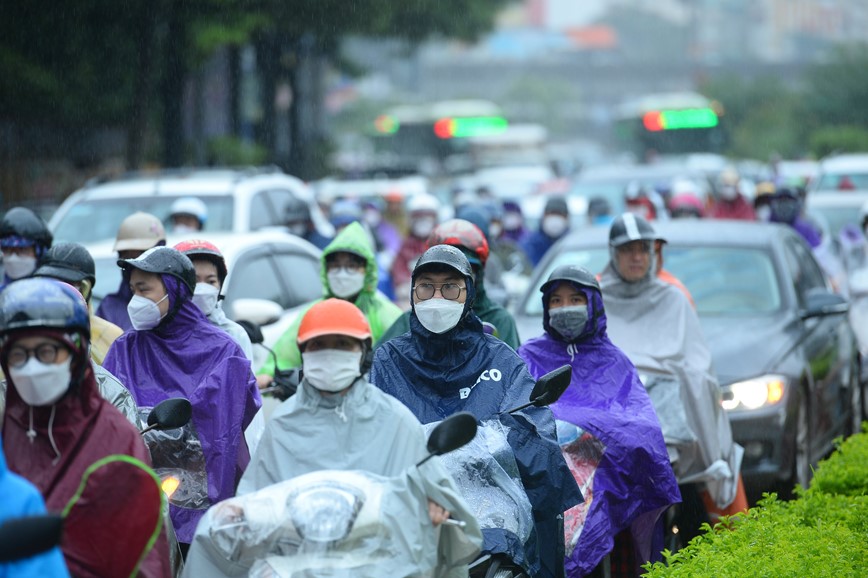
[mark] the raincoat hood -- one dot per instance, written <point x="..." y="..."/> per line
<point x="352" y="239"/>
<point x="186" y="356"/>
<point x="633" y="481"/>
<point x="595" y="327"/>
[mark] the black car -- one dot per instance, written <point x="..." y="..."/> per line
<point x="783" y="349"/>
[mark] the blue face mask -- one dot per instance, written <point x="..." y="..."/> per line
<point x="569" y="321"/>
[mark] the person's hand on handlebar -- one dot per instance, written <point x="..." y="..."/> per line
<point x="437" y="513"/>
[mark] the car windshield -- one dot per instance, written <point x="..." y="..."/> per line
<point x="843" y="181"/>
<point x="723" y="281"/>
<point x="99" y="219"/>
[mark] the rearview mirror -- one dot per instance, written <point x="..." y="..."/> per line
<point x="821" y="302"/>
<point x="22" y="538"/>
<point x="170" y="414"/>
<point x="450" y="434"/>
<point x="549" y="388"/>
<point x="259" y="311"/>
<point x="253" y="331"/>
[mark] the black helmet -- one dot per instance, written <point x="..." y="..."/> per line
<point x="573" y="273"/>
<point x="444" y="255"/>
<point x="629" y="227"/>
<point x="43" y="303"/>
<point x="24" y="223"/>
<point x="68" y="262"/>
<point x="296" y="210"/>
<point x="165" y="261"/>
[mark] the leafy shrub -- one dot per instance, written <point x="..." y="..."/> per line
<point x="820" y="534"/>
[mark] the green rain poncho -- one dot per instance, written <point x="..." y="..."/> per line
<point x="381" y="312"/>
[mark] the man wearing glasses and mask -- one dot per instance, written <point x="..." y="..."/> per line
<point x="446" y="364"/>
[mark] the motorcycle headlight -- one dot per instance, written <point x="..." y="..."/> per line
<point x="324" y="513"/>
<point x="753" y="393"/>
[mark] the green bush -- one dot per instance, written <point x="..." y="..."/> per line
<point x="230" y="151"/>
<point x="822" y="533"/>
<point x="842" y="139"/>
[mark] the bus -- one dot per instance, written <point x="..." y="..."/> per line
<point x="670" y="123"/>
<point x="435" y="138"/>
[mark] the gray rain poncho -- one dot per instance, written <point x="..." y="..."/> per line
<point x="365" y="430"/>
<point x="655" y="325"/>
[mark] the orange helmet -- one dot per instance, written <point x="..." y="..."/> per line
<point x="334" y="317"/>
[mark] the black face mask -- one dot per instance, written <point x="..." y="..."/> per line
<point x="784" y="210"/>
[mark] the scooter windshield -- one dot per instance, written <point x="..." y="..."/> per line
<point x="487" y="474"/>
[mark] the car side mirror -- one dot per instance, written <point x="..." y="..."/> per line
<point x="259" y="311"/>
<point x="822" y="302"/>
<point x="170" y="413"/>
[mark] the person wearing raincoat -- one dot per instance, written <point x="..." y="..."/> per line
<point x="24" y="239"/>
<point x="22" y="499"/>
<point x="174" y="351"/>
<point x="211" y="272"/>
<point x="137" y="233"/>
<point x="85" y="458"/>
<point x="656" y="326"/>
<point x="349" y="272"/>
<point x="339" y="421"/>
<point x="446" y="364"/>
<point x="467" y="237"/>
<point x="607" y="429"/>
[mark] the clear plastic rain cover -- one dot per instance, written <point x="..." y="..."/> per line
<point x="487" y="475"/>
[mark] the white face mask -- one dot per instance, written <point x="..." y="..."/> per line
<point x="298" y="229"/>
<point x="728" y="192"/>
<point x="205" y="297"/>
<point x="41" y="383"/>
<point x="494" y="230"/>
<point x="422" y="227"/>
<point x="763" y="213"/>
<point x="182" y="229"/>
<point x="345" y="283"/>
<point x="17" y="266"/>
<point x="554" y="225"/>
<point x="512" y="221"/>
<point x="144" y="313"/>
<point x="331" y="370"/>
<point x="373" y="218"/>
<point x="439" y="315"/>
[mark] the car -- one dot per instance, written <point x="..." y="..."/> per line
<point x="272" y="274"/>
<point x="782" y="347"/>
<point x="845" y="172"/>
<point x="238" y="200"/>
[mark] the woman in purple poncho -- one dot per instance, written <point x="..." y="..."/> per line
<point x="607" y="429"/>
<point x="174" y="351"/>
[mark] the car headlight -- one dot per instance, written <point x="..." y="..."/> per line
<point x="753" y="393"/>
<point x="325" y="512"/>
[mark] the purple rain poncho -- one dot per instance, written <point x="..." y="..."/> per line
<point x="633" y="482"/>
<point x="186" y="356"/>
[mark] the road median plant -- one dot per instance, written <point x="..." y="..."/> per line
<point x="822" y="533"/>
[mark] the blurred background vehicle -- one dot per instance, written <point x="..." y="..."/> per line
<point x="782" y="346"/>
<point x="237" y="200"/>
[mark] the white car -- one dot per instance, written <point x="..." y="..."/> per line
<point x="271" y="275"/>
<point x="842" y="173"/>
<point x="237" y="201"/>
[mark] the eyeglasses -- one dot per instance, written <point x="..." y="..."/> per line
<point x="450" y="291"/>
<point x="44" y="352"/>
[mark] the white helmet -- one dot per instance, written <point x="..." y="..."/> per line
<point x="423" y="203"/>
<point x="190" y="206"/>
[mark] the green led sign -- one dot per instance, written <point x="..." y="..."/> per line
<point x="658" y="120"/>
<point x="469" y="126"/>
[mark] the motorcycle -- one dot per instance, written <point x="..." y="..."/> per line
<point x="339" y="524"/>
<point x="488" y="476"/>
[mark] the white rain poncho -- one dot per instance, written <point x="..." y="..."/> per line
<point x="655" y="325"/>
<point x="365" y="430"/>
